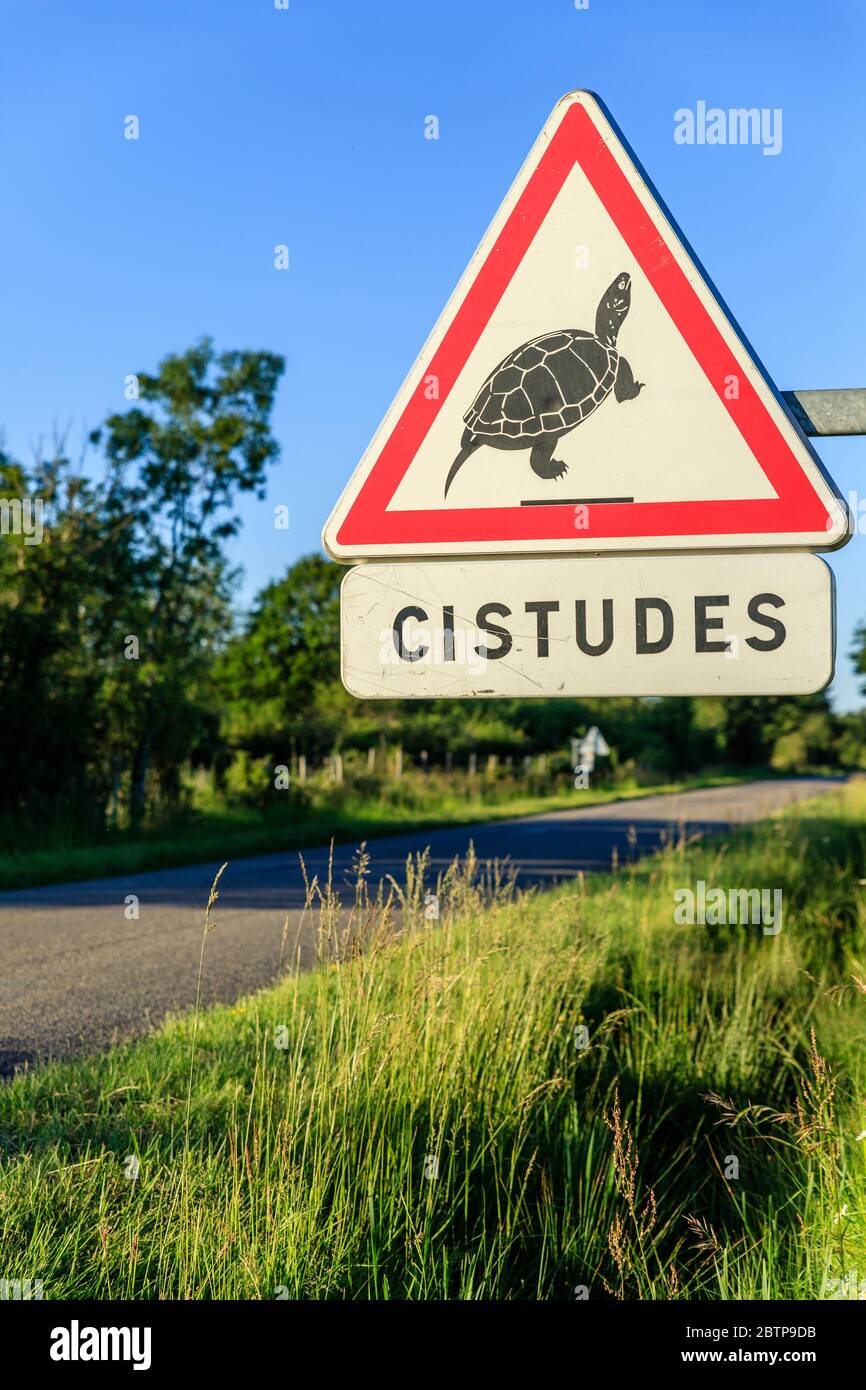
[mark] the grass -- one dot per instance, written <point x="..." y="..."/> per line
<point x="417" y="1118"/>
<point x="341" y="814"/>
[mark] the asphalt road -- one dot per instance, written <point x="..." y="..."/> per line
<point x="75" y="974"/>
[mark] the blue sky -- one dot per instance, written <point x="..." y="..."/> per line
<point x="306" y="127"/>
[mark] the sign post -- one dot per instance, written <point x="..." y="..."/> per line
<point x="588" y="484"/>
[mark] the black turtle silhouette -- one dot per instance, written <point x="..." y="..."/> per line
<point x="550" y="385"/>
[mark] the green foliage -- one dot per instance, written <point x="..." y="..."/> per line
<point x="57" y="616"/>
<point x="272" y="677"/>
<point x="109" y="628"/>
<point x="176" y="468"/>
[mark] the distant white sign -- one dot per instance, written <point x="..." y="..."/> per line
<point x="595" y="743"/>
<point x="625" y="625"/>
<point x="585" y="750"/>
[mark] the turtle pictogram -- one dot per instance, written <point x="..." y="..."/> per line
<point x="550" y="385"/>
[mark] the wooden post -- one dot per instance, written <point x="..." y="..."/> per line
<point x="302" y="767"/>
<point x="398" y="762"/>
<point x="473" y="764"/>
<point x="491" y="765"/>
<point x="371" y="759"/>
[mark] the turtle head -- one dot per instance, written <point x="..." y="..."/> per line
<point x="614" y="306"/>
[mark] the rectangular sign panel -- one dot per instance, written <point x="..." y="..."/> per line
<point x="619" y="625"/>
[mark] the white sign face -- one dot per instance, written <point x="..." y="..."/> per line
<point x="629" y="625"/>
<point x="584" y="390"/>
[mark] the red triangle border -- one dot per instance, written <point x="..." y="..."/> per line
<point x="796" y="509"/>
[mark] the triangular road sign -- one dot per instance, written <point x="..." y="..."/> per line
<point x="584" y="390"/>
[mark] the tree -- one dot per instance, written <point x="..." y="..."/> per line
<point x="57" y="598"/>
<point x="858" y="653"/>
<point x="754" y="723"/>
<point x="176" y="467"/>
<point x="287" y="653"/>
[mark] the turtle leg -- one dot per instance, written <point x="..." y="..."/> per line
<point x="542" y="462"/>
<point x="625" y="388"/>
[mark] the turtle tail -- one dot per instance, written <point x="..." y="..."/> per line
<point x="467" y="446"/>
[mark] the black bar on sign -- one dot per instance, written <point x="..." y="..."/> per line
<point x="573" y="501"/>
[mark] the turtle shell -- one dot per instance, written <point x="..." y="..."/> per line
<point x="546" y="386"/>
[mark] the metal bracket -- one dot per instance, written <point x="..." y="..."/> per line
<point x="829" y="412"/>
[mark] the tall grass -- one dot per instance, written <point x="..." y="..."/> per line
<point x="418" y="1117"/>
